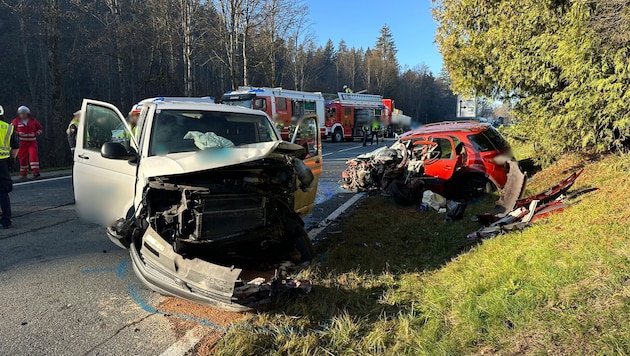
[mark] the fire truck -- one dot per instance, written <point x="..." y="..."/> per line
<point x="283" y="106"/>
<point x="347" y="115"/>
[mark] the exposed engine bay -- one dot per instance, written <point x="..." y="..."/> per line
<point x="241" y="213"/>
<point x="397" y="170"/>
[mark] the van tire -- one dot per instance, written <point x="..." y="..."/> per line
<point x="294" y="226"/>
<point x="304" y="245"/>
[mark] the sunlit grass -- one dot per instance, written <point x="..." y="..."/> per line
<point x="560" y="287"/>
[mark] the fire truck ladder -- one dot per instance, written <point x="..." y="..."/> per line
<point x="361" y="100"/>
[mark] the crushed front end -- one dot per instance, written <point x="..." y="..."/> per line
<point x="209" y="236"/>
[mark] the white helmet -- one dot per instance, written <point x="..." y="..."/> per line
<point x="1" y="110"/>
<point x="24" y="110"/>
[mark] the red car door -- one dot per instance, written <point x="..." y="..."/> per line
<point x="443" y="161"/>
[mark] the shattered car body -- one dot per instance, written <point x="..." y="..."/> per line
<point x="204" y="197"/>
<point x="455" y="159"/>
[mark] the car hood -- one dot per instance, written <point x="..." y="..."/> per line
<point x="190" y="162"/>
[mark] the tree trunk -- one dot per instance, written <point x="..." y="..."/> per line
<point x="187" y="45"/>
<point x="55" y="129"/>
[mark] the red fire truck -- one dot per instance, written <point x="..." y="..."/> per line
<point x="347" y="115"/>
<point x="283" y="106"/>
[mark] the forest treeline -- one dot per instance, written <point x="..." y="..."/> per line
<point x="57" y="52"/>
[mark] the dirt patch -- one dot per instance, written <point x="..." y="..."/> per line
<point x="180" y="326"/>
<point x="171" y="305"/>
<point x="208" y="344"/>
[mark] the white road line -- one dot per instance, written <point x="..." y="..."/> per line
<point x="327" y="154"/>
<point x="351" y="148"/>
<point x="187" y="342"/>
<point x="41" y="181"/>
<point x="334" y="215"/>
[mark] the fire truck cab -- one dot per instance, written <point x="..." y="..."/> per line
<point x="347" y="115"/>
<point x="283" y="106"/>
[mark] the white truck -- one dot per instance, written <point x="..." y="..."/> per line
<point x="202" y="193"/>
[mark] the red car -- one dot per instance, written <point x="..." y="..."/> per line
<point x="471" y="156"/>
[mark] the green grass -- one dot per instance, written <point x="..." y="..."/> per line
<point x="560" y="287"/>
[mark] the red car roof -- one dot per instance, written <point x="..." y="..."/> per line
<point x="446" y="126"/>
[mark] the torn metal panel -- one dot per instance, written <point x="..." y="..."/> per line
<point x="191" y="275"/>
<point x="530" y="209"/>
<point x="512" y="191"/>
<point x="553" y="192"/>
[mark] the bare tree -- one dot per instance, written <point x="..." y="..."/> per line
<point x="228" y="34"/>
<point x="301" y="38"/>
<point x="282" y="20"/>
<point x="188" y="8"/>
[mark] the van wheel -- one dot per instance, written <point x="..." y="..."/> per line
<point x="301" y="242"/>
<point x="337" y="136"/>
<point x="304" y="245"/>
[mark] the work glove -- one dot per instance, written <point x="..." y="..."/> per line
<point x="11" y="164"/>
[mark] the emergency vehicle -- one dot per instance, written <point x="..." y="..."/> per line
<point x="283" y="106"/>
<point x="347" y="115"/>
<point x="350" y="112"/>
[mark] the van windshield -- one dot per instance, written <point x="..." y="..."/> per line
<point x="246" y="103"/>
<point x="177" y="131"/>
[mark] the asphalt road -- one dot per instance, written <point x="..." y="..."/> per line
<point x="66" y="289"/>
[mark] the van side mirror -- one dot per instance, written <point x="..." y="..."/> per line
<point x="115" y="150"/>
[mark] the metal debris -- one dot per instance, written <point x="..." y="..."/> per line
<point x="525" y="211"/>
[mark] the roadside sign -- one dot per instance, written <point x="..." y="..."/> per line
<point x="466" y="107"/>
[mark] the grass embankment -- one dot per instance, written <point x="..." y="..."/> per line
<point x="560" y="287"/>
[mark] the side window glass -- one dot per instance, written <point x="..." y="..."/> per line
<point x="445" y="148"/>
<point x="281" y="104"/>
<point x="260" y="104"/>
<point x="347" y="111"/>
<point x="306" y="136"/>
<point x="459" y="146"/>
<point x="103" y="125"/>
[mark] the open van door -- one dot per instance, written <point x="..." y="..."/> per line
<point x="307" y="135"/>
<point x="105" y="162"/>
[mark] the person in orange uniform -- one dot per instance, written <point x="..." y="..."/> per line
<point x="28" y="129"/>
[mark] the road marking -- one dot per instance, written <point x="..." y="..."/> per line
<point x="351" y="148"/>
<point x="186" y="343"/>
<point x="334" y="215"/>
<point x="41" y="181"/>
<point x="327" y="154"/>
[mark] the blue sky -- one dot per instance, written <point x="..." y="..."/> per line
<point x="358" y="23"/>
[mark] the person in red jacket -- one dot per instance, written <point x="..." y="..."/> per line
<point x="28" y="129"/>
